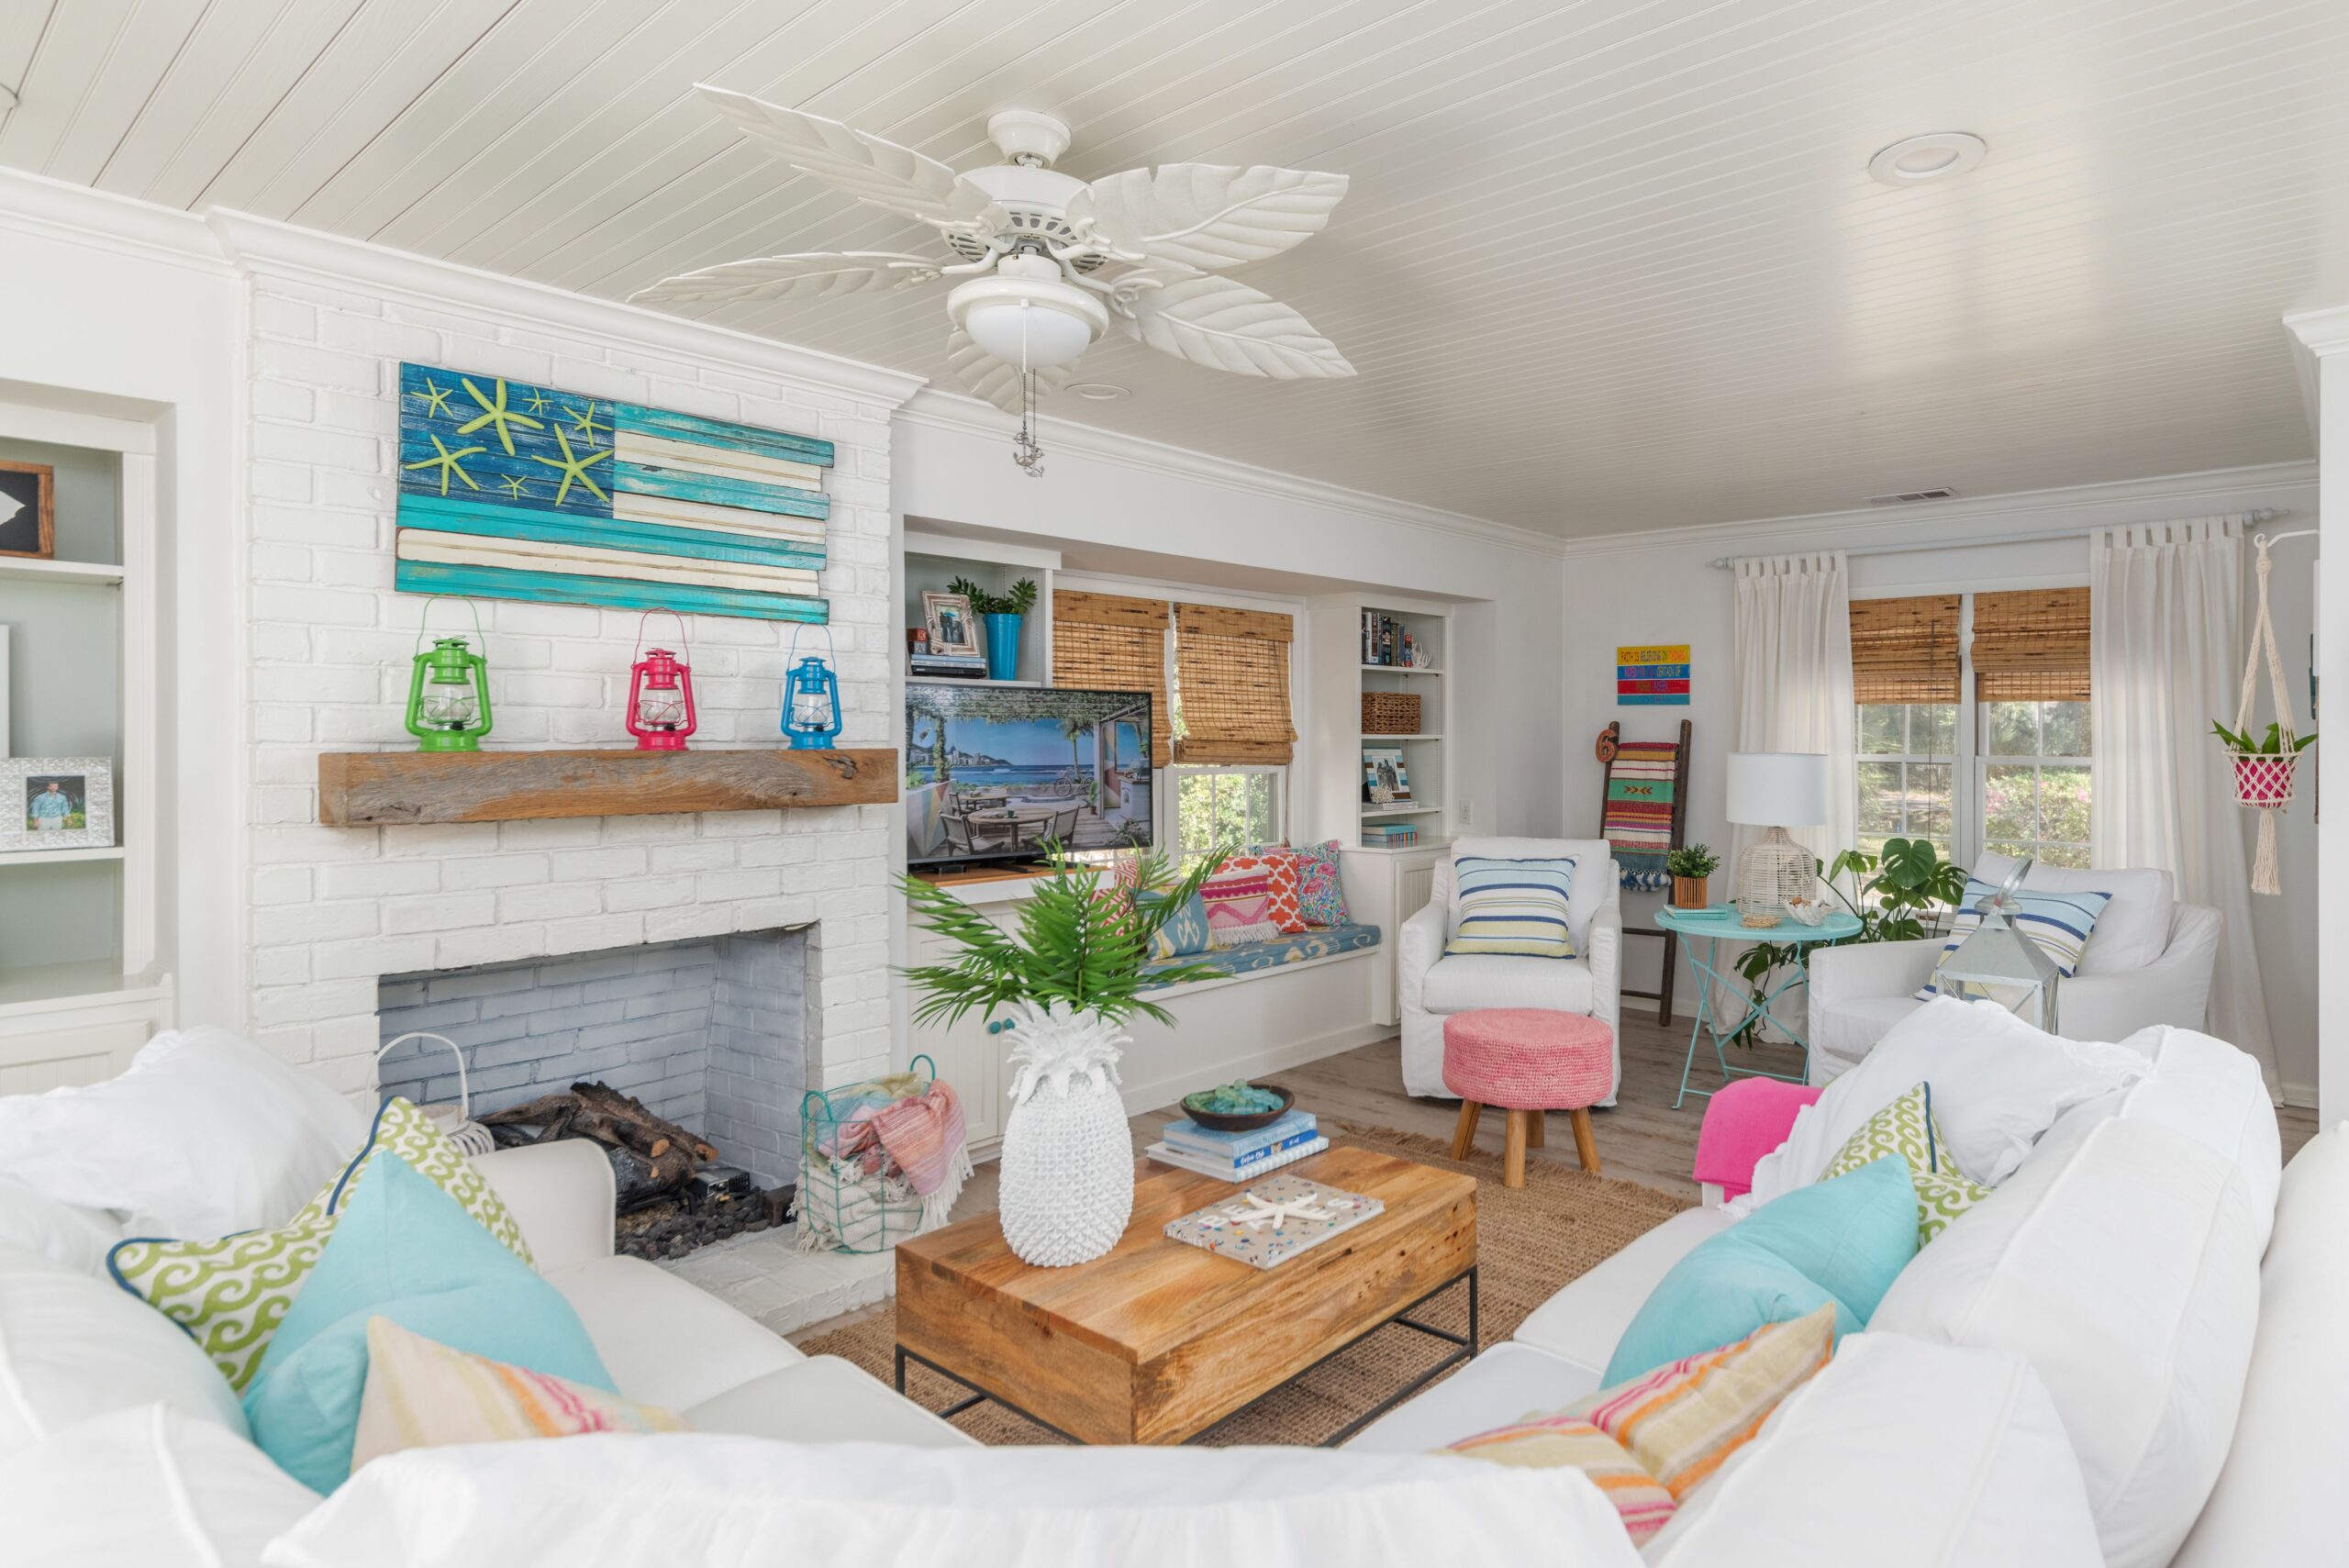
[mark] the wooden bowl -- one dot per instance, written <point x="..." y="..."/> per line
<point x="1249" y="1122"/>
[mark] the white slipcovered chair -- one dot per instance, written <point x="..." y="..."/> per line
<point x="2148" y="961"/>
<point x="1432" y="986"/>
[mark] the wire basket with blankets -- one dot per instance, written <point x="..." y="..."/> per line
<point x="879" y="1160"/>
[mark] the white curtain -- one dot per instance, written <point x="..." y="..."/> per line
<point x="1791" y="663"/>
<point x="2165" y="658"/>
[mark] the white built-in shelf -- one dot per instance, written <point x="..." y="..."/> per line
<point x="1398" y="670"/>
<point x="1424" y="841"/>
<point x="59" y="857"/>
<point x="1417" y="808"/>
<point x="19" y="569"/>
<point x="43" y="982"/>
<point x="967" y="681"/>
<point x="1431" y="735"/>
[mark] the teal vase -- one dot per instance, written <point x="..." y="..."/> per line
<point x="1002" y="647"/>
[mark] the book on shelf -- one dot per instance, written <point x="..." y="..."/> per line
<point x="1293" y="1127"/>
<point x="1385" y="641"/>
<point x="1379" y="837"/>
<point x="1273" y="1220"/>
<point x="950" y="669"/>
<point x="1223" y="1172"/>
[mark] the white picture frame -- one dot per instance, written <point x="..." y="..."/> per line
<point x="3" y="694"/>
<point x="1384" y="764"/>
<point x="953" y="628"/>
<point x="30" y="787"/>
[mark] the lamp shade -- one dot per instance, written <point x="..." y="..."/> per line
<point x="1777" y="789"/>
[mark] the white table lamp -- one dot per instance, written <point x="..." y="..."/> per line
<point x="1776" y="790"/>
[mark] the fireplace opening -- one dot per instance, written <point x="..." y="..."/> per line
<point x="683" y="1061"/>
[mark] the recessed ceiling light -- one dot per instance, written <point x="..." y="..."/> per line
<point x="1937" y="155"/>
<point x="1095" y="391"/>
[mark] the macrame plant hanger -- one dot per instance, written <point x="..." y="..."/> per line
<point x="2263" y="778"/>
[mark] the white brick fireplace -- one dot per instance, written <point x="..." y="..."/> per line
<point x="330" y="912"/>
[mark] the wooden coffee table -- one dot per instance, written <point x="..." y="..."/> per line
<point x="1156" y="1340"/>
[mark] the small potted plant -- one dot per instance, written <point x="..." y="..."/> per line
<point x="1002" y="614"/>
<point x="1690" y="866"/>
<point x="2263" y="766"/>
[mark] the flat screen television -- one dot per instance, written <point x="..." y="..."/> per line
<point x="997" y="772"/>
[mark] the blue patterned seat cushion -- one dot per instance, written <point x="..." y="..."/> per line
<point x="1250" y="957"/>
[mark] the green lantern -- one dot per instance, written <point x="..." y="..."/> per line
<point x="448" y="693"/>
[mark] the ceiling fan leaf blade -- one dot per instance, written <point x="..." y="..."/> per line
<point x="1224" y="324"/>
<point x="848" y="159"/>
<point x="990" y="378"/>
<point x="1209" y="215"/>
<point x="821" y="274"/>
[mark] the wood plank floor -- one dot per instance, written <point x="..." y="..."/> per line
<point x="1643" y="1138"/>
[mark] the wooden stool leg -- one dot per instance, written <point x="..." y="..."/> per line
<point x="1513" y="1155"/>
<point x="1464" y="1135"/>
<point x="1584" y="1145"/>
<point x="1536" y="1129"/>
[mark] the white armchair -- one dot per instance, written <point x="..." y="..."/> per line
<point x="2148" y="961"/>
<point x="1430" y="985"/>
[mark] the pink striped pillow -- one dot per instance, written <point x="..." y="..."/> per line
<point x="1239" y="907"/>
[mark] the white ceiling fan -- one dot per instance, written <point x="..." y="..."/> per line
<point x="1049" y="263"/>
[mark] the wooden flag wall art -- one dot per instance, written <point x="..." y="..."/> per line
<point x="510" y="491"/>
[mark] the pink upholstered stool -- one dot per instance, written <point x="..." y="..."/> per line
<point x="1527" y="1061"/>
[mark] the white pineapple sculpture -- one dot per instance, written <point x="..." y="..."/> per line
<point x="1068" y="1160"/>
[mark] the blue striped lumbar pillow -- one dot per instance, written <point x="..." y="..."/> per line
<point x="2059" y="923"/>
<point x="1512" y="907"/>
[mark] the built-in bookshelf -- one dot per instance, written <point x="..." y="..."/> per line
<point x="1364" y="645"/>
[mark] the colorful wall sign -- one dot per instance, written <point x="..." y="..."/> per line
<point x="1651" y="676"/>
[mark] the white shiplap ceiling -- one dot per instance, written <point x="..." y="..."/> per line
<point x="1605" y="265"/>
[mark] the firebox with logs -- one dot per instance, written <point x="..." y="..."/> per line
<point x="674" y="1193"/>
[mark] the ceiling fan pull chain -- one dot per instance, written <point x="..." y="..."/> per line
<point x="1025" y="450"/>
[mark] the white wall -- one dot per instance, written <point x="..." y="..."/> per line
<point x="1661" y="588"/>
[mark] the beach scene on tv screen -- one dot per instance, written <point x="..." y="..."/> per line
<point x="996" y="772"/>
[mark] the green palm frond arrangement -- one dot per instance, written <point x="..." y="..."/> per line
<point x="1069" y="945"/>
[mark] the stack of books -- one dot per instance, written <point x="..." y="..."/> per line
<point x="1385" y="641"/>
<point x="1238" y="1156"/>
<point x="948" y="666"/>
<point x="1387" y="835"/>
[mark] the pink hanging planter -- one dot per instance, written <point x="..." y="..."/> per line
<point x="2263" y="778"/>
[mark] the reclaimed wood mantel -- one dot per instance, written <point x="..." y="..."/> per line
<point x="374" y="789"/>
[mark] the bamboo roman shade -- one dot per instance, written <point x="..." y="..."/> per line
<point x="1232" y="667"/>
<point x="1115" y="643"/>
<point x="2032" y="646"/>
<point x="1905" y="649"/>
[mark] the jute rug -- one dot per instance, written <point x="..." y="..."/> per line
<point x="1530" y="1242"/>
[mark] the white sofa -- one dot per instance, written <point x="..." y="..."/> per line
<point x="2148" y="961"/>
<point x="1432" y="985"/>
<point x="2122" y="1266"/>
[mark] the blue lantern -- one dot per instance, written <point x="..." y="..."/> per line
<point x="811" y="701"/>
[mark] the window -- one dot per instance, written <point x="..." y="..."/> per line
<point x="2023" y="751"/>
<point x="1227" y="809"/>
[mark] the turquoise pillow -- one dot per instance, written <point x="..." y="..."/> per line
<point x="403" y="1250"/>
<point x="1840" y="1240"/>
<point x="1185" y="932"/>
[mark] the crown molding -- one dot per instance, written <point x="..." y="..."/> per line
<point x="261" y="245"/>
<point x="1934" y="524"/>
<point x="961" y="414"/>
<point x="40" y="207"/>
<point x="2314" y="334"/>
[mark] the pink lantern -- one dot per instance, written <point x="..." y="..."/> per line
<point x="661" y="694"/>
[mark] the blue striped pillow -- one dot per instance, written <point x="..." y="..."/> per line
<point x="1512" y="907"/>
<point x="2060" y="924"/>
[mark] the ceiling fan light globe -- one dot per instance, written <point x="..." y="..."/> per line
<point x="1039" y="336"/>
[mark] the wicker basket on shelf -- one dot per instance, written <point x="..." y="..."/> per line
<point x="1390" y="713"/>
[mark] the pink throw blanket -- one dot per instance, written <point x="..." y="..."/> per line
<point x="923" y="1136"/>
<point x="1746" y="1120"/>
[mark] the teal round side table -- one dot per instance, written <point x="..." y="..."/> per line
<point x="1720" y="924"/>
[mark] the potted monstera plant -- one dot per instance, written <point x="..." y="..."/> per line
<point x="1690" y="867"/>
<point x="1068" y="973"/>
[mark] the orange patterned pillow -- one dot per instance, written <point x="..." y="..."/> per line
<point x="1288" y="907"/>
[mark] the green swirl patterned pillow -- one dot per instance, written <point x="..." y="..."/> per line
<point x="231" y="1294"/>
<point x="1907" y="1128"/>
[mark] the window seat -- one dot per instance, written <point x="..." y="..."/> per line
<point x="1254" y="957"/>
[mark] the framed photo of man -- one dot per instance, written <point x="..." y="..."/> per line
<point x="56" y="802"/>
<point x="28" y="509"/>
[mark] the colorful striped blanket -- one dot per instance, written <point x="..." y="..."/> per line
<point x="1639" y="811"/>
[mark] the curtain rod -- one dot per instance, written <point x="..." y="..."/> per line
<point x="2262" y="514"/>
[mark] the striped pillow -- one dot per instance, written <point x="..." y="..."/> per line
<point x="1555" y="1442"/>
<point x="421" y="1393"/>
<point x="1684" y="1419"/>
<point x="1512" y="907"/>
<point x="2060" y="924"/>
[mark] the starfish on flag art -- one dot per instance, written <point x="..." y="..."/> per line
<point x="584" y="421"/>
<point x="448" y="462"/>
<point x="436" y="400"/>
<point x="496" y="414"/>
<point x="573" y="466"/>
